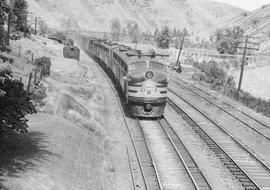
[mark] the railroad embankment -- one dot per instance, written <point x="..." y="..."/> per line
<point x="73" y="141"/>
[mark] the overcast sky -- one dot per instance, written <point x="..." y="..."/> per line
<point x="246" y="4"/>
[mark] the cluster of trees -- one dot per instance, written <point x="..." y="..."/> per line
<point x="166" y="37"/>
<point x="118" y="33"/>
<point x="15" y="13"/>
<point x="15" y="101"/>
<point x="227" y="40"/>
<point x="162" y="38"/>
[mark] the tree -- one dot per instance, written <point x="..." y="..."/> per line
<point x="115" y="29"/>
<point x="105" y="36"/>
<point x="174" y="32"/>
<point x="228" y="39"/>
<point x="163" y="39"/>
<point x="20" y="12"/>
<point x="15" y="103"/>
<point x="4" y="11"/>
<point x="43" y="28"/>
<point x="124" y="33"/>
<point x="134" y="33"/>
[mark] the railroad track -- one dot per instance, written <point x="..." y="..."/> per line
<point x="190" y="165"/>
<point x="239" y="115"/>
<point x="175" y="166"/>
<point x="251" y="172"/>
<point x="143" y="163"/>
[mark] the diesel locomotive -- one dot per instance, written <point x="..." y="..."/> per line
<point x="141" y="77"/>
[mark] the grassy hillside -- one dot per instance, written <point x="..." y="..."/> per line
<point x="199" y="16"/>
<point x="256" y="23"/>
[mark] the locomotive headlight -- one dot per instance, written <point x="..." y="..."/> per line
<point x="149" y="74"/>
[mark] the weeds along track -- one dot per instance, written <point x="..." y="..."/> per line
<point x="238" y="115"/>
<point x="251" y="172"/>
<point x="141" y="165"/>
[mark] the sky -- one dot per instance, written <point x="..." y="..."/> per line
<point x="249" y="5"/>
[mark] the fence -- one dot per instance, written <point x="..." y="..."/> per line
<point x="41" y="70"/>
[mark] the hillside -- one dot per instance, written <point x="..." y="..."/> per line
<point x="199" y="16"/>
<point x="256" y="23"/>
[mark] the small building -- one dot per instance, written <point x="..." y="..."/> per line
<point x="71" y="52"/>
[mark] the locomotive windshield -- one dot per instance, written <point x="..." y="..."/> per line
<point x="147" y="64"/>
<point x="137" y="65"/>
<point x="157" y="65"/>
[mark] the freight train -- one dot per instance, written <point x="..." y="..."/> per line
<point x="141" y="77"/>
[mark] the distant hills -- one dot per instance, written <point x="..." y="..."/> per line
<point x="200" y="17"/>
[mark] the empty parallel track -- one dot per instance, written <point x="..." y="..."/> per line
<point x="190" y="165"/>
<point x="251" y="172"/>
<point x="247" y="120"/>
<point x="176" y="168"/>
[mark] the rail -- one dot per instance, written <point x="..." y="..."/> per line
<point x="246" y="167"/>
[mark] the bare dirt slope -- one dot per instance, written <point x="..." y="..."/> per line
<point x="76" y="141"/>
<point x="197" y="15"/>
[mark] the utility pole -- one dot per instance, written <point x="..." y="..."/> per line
<point x="243" y="65"/>
<point x="25" y="24"/>
<point x="244" y="59"/>
<point x="179" y="53"/>
<point x="35" y="25"/>
<point x="9" y="23"/>
<point x="180" y="49"/>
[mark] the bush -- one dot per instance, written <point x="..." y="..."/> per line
<point x="15" y="103"/>
<point x="257" y="104"/>
<point x="215" y="74"/>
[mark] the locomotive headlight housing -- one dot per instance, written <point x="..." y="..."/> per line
<point x="149" y="74"/>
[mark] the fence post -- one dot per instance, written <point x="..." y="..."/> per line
<point x="20" y="79"/>
<point x="35" y="77"/>
<point x="32" y="59"/>
<point x="29" y="82"/>
<point x="20" y="50"/>
<point x="41" y="74"/>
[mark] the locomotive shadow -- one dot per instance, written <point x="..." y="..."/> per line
<point x="115" y="85"/>
<point x="22" y="152"/>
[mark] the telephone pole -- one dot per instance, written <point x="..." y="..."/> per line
<point x="25" y="24"/>
<point x="180" y="49"/>
<point x="9" y="23"/>
<point x="246" y="47"/>
<point x="35" y="25"/>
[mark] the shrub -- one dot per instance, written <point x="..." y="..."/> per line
<point x="257" y="104"/>
<point x="15" y="103"/>
<point x="215" y="74"/>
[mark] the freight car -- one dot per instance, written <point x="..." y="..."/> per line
<point x="141" y="77"/>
